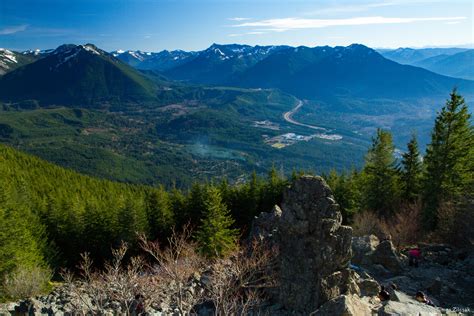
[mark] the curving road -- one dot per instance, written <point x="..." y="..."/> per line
<point x="288" y="116"/>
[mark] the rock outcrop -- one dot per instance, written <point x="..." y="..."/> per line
<point x="386" y="255"/>
<point x="315" y="249"/>
<point x="265" y="226"/>
<point x="362" y="247"/>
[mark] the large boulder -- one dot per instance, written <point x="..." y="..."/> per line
<point x="368" y="287"/>
<point x="315" y="249"/>
<point x="347" y="305"/>
<point x="413" y="307"/>
<point x="386" y="255"/>
<point x="362" y="248"/>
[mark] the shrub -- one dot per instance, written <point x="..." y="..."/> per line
<point x="239" y="283"/>
<point x="455" y="222"/>
<point x="366" y="223"/>
<point x="25" y="282"/>
<point x="403" y="227"/>
<point x="176" y="264"/>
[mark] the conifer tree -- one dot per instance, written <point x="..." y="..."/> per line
<point x="159" y="214"/>
<point x="380" y="178"/>
<point x="346" y="193"/>
<point x="194" y="203"/>
<point x="272" y="191"/>
<point x="18" y="244"/>
<point x="215" y="235"/>
<point x="449" y="158"/>
<point x="411" y="172"/>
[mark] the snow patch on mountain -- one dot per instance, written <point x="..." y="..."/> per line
<point x="91" y="49"/>
<point x="8" y="55"/>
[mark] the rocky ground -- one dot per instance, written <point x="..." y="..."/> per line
<point x="445" y="275"/>
<point x="322" y="270"/>
<point x="64" y="300"/>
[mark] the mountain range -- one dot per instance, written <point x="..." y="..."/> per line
<point x="453" y="62"/>
<point x="460" y="65"/>
<point x="317" y="72"/>
<point x="86" y="75"/>
<point x="160" y="61"/>
<point x="410" y="56"/>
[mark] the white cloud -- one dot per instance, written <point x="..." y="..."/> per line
<point x="248" y="33"/>
<point x="237" y="19"/>
<point x="452" y="22"/>
<point x="285" y="24"/>
<point x="351" y="8"/>
<point x="13" y="29"/>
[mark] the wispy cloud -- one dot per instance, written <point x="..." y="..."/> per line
<point x="13" y="29"/>
<point x="285" y="24"/>
<point x="452" y="22"/>
<point x="351" y="8"/>
<point x="237" y="19"/>
<point x="247" y="33"/>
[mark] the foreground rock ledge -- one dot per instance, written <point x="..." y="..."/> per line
<point x="315" y="248"/>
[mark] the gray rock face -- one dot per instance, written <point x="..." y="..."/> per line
<point x="265" y="226"/>
<point x="347" y="305"/>
<point x="362" y="247"/>
<point x="408" y="308"/>
<point x="386" y="255"/>
<point x="368" y="287"/>
<point x="315" y="248"/>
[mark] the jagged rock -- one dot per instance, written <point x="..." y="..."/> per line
<point x="386" y="255"/>
<point x="315" y="248"/>
<point x="265" y="226"/>
<point x="347" y="305"/>
<point x="362" y="247"/>
<point x="368" y="287"/>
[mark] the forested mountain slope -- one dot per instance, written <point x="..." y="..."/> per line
<point x="77" y="75"/>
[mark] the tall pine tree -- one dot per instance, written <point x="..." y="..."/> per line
<point x="449" y="158"/>
<point x="215" y="235"/>
<point x="381" y="192"/>
<point x="411" y="172"/>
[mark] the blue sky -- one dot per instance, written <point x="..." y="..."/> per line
<point x="153" y="25"/>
